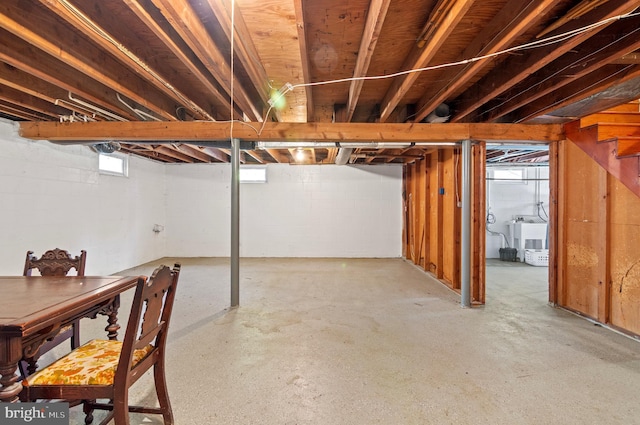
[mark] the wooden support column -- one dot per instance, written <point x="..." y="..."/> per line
<point x="561" y="222"/>
<point x="554" y="227"/>
<point x="478" y="231"/>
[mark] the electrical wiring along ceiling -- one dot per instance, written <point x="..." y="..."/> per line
<point x="324" y="62"/>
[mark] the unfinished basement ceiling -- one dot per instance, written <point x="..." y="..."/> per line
<point x="297" y="61"/>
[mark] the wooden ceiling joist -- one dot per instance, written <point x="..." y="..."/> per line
<point x="304" y="57"/>
<point x="439" y="26"/>
<point x="83" y="57"/>
<point x="512" y="20"/>
<point x="168" y="36"/>
<point x="185" y="21"/>
<point x="21" y="113"/>
<point x="293" y="132"/>
<point x="611" y="43"/>
<point x="29" y="60"/>
<point x="244" y="48"/>
<point x="577" y="90"/>
<point x="109" y="42"/>
<point x="518" y="67"/>
<point x="375" y="18"/>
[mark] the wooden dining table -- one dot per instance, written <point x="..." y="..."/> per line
<point x="34" y="308"/>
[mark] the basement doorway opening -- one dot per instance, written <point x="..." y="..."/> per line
<point x="517" y="225"/>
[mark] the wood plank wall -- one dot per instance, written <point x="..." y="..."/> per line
<point x="598" y="261"/>
<point x="432" y="228"/>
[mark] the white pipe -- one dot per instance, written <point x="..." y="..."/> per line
<point x="138" y="112"/>
<point x="97" y="109"/>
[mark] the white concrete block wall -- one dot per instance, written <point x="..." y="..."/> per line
<point x="198" y="210"/>
<point x="508" y="199"/>
<point x="53" y="196"/>
<point x="302" y="211"/>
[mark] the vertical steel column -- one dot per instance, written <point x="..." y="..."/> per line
<point x="465" y="288"/>
<point x="235" y="222"/>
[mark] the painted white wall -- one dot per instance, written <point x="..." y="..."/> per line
<point x="53" y="196"/>
<point x="302" y="211"/>
<point x="507" y="200"/>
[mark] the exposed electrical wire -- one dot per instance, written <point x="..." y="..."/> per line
<point x="527" y="46"/>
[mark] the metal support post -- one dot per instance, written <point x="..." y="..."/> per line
<point x="235" y="222"/>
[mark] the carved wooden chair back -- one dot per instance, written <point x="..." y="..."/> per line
<point x="106" y="369"/>
<point x="55" y="262"/>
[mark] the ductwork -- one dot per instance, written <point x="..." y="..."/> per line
<point x="439" y="115"/>
<point x="343" y="156"/>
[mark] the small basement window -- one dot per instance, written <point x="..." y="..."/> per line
<point x="113" y="164"/>
<point x="253" y="174"/>
<point x="509" y="175"/>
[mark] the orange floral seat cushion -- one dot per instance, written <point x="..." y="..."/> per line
<point x="94" y="363"/>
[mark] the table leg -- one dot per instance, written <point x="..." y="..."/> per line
<point x="10" y="355"/>
<point x="112" y="313"/>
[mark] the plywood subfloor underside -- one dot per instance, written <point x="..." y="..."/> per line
<point x="377" y="341"/>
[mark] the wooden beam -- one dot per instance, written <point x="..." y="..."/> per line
<point x="517" y="68"/>
<point x="169" y="37"/>
<point x="443" y="20"/>
<point x="215" y="153"/>
<point x="110" y="43"/>
<point x="255" y="156"/>
<point x="554" y="224"/>
<point x="304" y="56"/>
<point x="186" y="22"/>
<point x="278" y="155"/>
<point x="373" y="27"/>
<point x="20" y="112"/>
<point x="611" y="43"/>
<point x="293" y="132"/>
<point x="577" y="90"/>
<point x="82" y="56"/>
<point x="513" y="19"/>
<point x="168" y="151"/>
<point x="30" y="60"/>
<point x="21" y="81"/>
<point x="195" y="152"/>
<point x="243" y="48"/>
<point x="30" y="102"/>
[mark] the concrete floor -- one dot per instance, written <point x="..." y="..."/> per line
<point x="378" y="341"/>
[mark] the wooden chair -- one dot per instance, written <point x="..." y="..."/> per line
<point x="104" y="369"/>
<point x="55" y="262"/>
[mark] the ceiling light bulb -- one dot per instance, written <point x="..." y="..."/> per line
<point x="299" y="154"/>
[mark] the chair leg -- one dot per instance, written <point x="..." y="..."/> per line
<point x="162" y="393"/>
<point x="87" y="408"/>
<point x="121" y="407"/>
